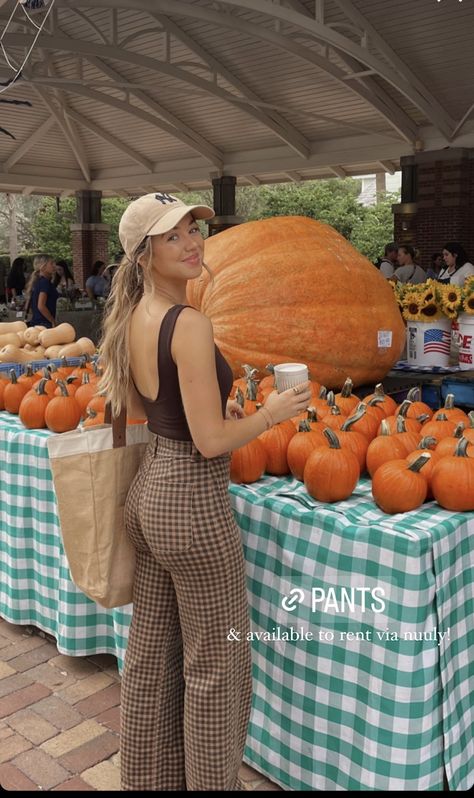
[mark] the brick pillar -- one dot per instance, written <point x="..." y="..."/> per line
<point x="89" y="243"/>
<point x="442" y="209"/>
<point x="89" y="236"/>
<point x="224" y="204"/>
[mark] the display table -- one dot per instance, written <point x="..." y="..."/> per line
<point x="345" y="710"/>
<point x="87" y="323"/>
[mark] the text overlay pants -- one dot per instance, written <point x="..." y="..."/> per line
<point x="186" y="688"/>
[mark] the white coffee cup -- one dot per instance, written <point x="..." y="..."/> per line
<point x="287" y="375"/>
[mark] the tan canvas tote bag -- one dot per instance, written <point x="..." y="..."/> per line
<point x="93" y="469"/>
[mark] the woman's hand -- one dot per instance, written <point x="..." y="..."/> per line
<point x="233" y="409"/>
<point x="287" y="404"/>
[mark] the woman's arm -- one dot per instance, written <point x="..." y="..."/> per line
<point x="193" y="351"/>
<point x="43" y="309"/>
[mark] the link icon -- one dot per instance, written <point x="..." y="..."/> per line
<point x="294" y="597"/>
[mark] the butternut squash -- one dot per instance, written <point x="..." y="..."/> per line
<point x="31" y="336"/>
<point x="12" y="326"/>
<point x="70" y="350"/>
<point x="13" y="354"/>
<point x="87" y="346"/>
<point x="52" y="351"/>
<point x="62" y="334"/>
<point x="10" y="338"/>
<point x="21" y="337"/>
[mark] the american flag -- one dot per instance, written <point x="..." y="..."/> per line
<point x="437" y="341"/>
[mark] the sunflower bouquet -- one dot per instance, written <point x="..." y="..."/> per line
<point x="431" y="300"/>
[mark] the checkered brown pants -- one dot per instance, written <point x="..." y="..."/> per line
<point x="186" y="689"/>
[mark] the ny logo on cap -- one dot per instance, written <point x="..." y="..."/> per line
<point x="164" y="198"/>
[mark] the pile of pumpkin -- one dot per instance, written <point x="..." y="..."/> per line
<point x="22" y="344"/>
<point x="411" y="453"/>
<point x="54" y="397"/>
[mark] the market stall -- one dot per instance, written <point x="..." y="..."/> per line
<point x="327" y="713"/>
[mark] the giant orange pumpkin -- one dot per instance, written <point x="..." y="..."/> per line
<point x="291" y="288"/>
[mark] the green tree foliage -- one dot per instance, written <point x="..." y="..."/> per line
<point x="112" y="210"/>
<point x="375" y="227"/>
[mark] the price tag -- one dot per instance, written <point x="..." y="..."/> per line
<point x="384" y="339"/>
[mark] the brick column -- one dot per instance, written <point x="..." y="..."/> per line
<point x="89" y="243"/>
<point x="224" y="204"/>
<point x="89" y="236"/>
<point x="442" y="209"/>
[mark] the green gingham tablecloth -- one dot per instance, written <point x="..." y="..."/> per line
<point x="349" y="710"/>
<point x="35" y="583"/>
<point x="327" y="713"/>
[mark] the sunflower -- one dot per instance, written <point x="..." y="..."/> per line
<point x="430" y="311"/>
<point x="411" y="307"/>
<point x="468" y="303"/>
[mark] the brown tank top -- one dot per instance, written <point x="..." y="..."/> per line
<point x="165" y="414"/>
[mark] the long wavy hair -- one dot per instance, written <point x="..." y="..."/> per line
<point x="130" y="282"/>
<point x="38" y="262"/>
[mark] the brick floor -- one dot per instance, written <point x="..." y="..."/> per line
<point x="60" y="718"/>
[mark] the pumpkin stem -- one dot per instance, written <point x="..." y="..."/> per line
<point x="323" y="392"/>
<point x="401" y="426"/>
<point x="13" y="376"/>
<point x="331" y="399"/>
<point x="85" y="379"/>
<point x="346" y="389"/>
<point x="239" y="397"/>
<point x="440" y="417"/>
<point x="335" y="410"/>
<point x="376" y="400"/>
<point x="459" y="430"/>
<point x="70" y="379"/>
<point x="385" y="427"/>
<point x="312" y="414"/>
<point x="304" y="426"/>
<point x="470" y="416"/>
<point x="63" y="388"/>
<point x="356" y="416"/>
<point x="427" y="442"/>
<point x="461" y="448"/>
<point x="420" y="462"/>
<point x="379" y="391"/>
<point x="449" y="402"/>
<point x="270" y="367"/>
<point x="40" y="387"/>
<point x="332" y="438"/>
<point x="414" y="394"/>
<point x="422" y="418"/>
<point x="403" y="409"/>
<point x="29" y="370"/>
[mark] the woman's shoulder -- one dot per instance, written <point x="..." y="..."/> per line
<point x="191" y="322"/>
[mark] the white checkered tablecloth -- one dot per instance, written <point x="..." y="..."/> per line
<point x="340" y="712"/>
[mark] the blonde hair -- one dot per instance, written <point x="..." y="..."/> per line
<point x="128" y="286"/>
<point x="38" y="262"/>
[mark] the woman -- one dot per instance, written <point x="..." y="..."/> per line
<point x="63" y="279"/>
<point x="96" y="284"/>
<point x="457" y="265"/>
<point x="408" y="271"/>
<point x="186" y="684"/>
<point x="42" y="294"/>
<point x="16" y="279"/>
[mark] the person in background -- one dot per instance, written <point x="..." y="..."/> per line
<point x="457" y="265"/>
<point x="408" y="271"/>
<point x="186" y="686"/>
<point x="63" y="279"/>
<point x="389" y="262"/>
<point x="16" y="280"/>
<point x="437" y="264"/>
<point x="96" y="284"/>
<point x="42" y="294"/>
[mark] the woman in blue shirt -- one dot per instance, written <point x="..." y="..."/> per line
<point x="43" y="295"/>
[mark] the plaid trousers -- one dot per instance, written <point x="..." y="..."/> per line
<point x="186" y="687"/>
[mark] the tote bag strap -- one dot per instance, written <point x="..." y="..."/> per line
<point x="119" y="424"/>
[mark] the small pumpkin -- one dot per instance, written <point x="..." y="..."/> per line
<point x="388" y="404"/>
<point x="248" y="463"/>
<point x="452" y="480"/>
<point x="365" y="422"/>
<point x="417" y="408"/>
<point x="331" y="473"/>
<point x="13" y="393"/>
<point x="33" y="406"/>
<point x="93" y="418"/>
<point x="398" y="487"/>
<point x="62" y="413"/>
<point x="439" y="427"/>
<point x="300" y="447"/>
<point x="451" y="412"/>
<point x="345" y="399"/>
<point x="383" y="448"/>
<point x="275" y="441"/>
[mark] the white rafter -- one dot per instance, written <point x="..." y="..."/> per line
<point x="338" y="171"/>
<point x="388" y="167"/>
<point x="73" y="141"/>
<point x="109" y="138"/>
<point x="30" y="142"/>
<point x="274" y="121"/>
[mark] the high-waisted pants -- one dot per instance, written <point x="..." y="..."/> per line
<point x="186" y="687"/>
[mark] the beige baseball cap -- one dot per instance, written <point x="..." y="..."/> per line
<point x="153" y="214"/>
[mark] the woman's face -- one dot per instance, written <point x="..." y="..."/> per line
<point x="49" y="268"/>
<point x="59" y="270"/>
<point x="449" y="258"/>
<point x="403" y="258"/>
<point x="178" y="254"/>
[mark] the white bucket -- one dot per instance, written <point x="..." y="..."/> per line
<point x="429" y="342"/>
<point x="466" y="341"/>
